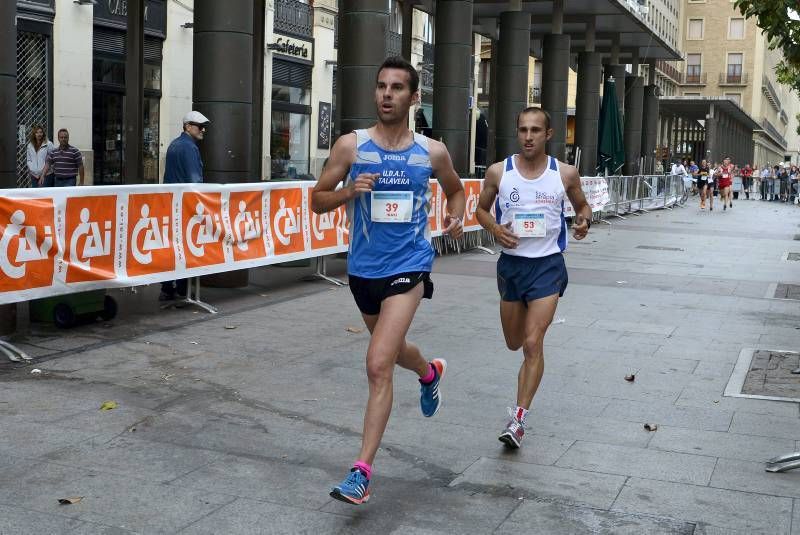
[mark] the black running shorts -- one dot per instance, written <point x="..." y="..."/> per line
<point x="369" y="293"/>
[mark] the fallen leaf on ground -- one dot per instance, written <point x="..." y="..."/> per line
<point x="70" y="501"/>
<point x="230" y="327"/>
<point x="631" y="377"/>
<point x="311" y="399"/>
<point x="354" y="330"/>
<point x="108" y="405"/>
<point x="559" y="321"/>
<point x="622" y="282"/>
<point x="36" y="371"/>
<point x="650" y="427"/>
<point x="193" y="343"/>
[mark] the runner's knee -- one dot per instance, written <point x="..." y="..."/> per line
<point x="379" y="367"/>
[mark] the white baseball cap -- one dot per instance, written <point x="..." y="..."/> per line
<point x="195" y="117"/>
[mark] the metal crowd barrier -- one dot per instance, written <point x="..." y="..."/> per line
<point x="638" y="194"/>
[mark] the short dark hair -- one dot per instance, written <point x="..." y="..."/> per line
<point x="396" y="62"/>
<point x="62" y="130"/>
<point x="535" y="109"/>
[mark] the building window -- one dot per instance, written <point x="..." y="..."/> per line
<point x="736" y="29"/>
<point x="694" y="30"/>
<point x="693" y="68"/>
<point x="290" y="131"/>
<point x="735" y="97"/>
<point x="734" y="73"/>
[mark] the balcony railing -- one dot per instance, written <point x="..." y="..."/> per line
<point x="769" y="91"/>
<point x="734" y="78"/>
<point x="294" y="18"/>
<point x="668" y="70"/>
<point x="773" y="132"/>
<point x="534" y="94"/>
<point x="694" y="78"/>
<point x="784" y="117"/>
<point x="394" y="44"/>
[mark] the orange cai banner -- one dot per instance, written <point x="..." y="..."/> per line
<point x="150" y="247"/>
<point x="245" y="212"/>
<point x="90" y="238"/>
<point x="203" y="229"/>
<point x="329" y="229"/>
<point x="286" y="220"/>
<point x="433" y="210"/>
<point x="472" y="192"/>
<point x="28" y="243"/>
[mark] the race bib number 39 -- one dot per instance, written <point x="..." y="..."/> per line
<point x="530" y="225"/>
<point x="392" y="206"/>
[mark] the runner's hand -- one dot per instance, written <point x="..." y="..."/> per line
<point x="580" y="226"/>
<point x="364" y="183"/>
<point x="505" y="236"/>
<point x="453" y="226"/>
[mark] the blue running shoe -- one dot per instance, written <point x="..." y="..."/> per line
<point x="354" y="488"/>
<point x="430" y="398"/>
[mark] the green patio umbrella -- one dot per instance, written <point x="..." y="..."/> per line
<point x="610" y="151"/>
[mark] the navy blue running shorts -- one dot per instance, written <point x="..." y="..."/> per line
<point x="369" y="293"/>
<point x="526" y="279"/>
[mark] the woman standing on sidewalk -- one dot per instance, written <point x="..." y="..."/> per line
<point x="38" y="148"/>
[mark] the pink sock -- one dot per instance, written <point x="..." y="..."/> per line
<point x="430" y="377"/>
<point x="365" y="468"/>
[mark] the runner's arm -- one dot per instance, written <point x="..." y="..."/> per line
<point x="325" y="197"/>
<point x="491" y="187"/>
<point x="443" y="170"/>
<point x="583" y="212"/>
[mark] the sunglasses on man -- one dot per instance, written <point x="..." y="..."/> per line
<point x="200" y="126"/>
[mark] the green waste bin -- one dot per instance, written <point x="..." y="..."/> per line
<point x="67" y="310"/>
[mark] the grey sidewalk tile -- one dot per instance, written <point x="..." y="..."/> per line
<point x="696" y="396"/>
<point x="126" y="455"/>
<point x="19" y="521"/>
<point x="634" y="327"/>
<point x="37" y="439"/>
<point x="38" y="485"/>
<point x="548" y="482"/>
<point x="796" y="518"/>
<point x="431" y="507"/>
<point x="279" y="482"/>
<point x="768" y="426"/>
<point x="620" y="389"/>
<point x="752" y="513"/>
<point x="639" y="462"/>
<point x="246" y="517"/>
<point x="751" y="477"/>
<point x="689" y="417"/>
<point x="719" y="444"/>
<point x="590" y="429"/>
<point x="543" y="518"/>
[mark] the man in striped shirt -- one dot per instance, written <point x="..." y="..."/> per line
<point x="65" y="162"/>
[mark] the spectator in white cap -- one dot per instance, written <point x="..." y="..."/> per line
<point x="183" y="165"/>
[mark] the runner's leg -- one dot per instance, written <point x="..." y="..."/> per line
<point x="538" y="319"/>
<point x="386" y="343"/>
<point x="512" y="318"/>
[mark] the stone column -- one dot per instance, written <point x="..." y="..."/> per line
<point x="513" y="51"/>
<point x="362" y="49"/>
<point x="587" y="104"/>
<point x="633" y="124"/>
<point x="222" y="87"/>
<point x="555" y="81"/>
<point x="453" y="69"/>
<point x="650" y="120"/>
<point x="711" y="135"/>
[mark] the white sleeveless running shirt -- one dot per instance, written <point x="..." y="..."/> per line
<point x="535" y="209"/>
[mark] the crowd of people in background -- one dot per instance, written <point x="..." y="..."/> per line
<point x="774" y="183"/>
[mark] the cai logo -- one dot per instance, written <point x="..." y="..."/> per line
<point x="27" y="243"/>
<point x="245" y="214"/>
<point x="91" y="238"/>
<point x="514" y="195"/>
<point x="287" y="220"/>
<point x="203" y="230"/>
<point x="149" y="234"/>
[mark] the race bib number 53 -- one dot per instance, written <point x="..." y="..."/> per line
<point x="392" y="206"/>
<point x="530" y="225"/>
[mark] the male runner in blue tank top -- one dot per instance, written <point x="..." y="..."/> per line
<point x="528" y="191"/>
<point x="386" y="171"/>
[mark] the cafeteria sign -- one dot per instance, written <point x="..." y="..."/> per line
<point x="294" y="48"/>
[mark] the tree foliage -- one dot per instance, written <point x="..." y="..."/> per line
<point x="782" y="31"/>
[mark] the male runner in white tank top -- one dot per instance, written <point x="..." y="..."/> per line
<point x="528" y="191"/>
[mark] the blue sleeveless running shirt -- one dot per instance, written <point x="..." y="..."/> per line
<point x="389" y="232"/>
